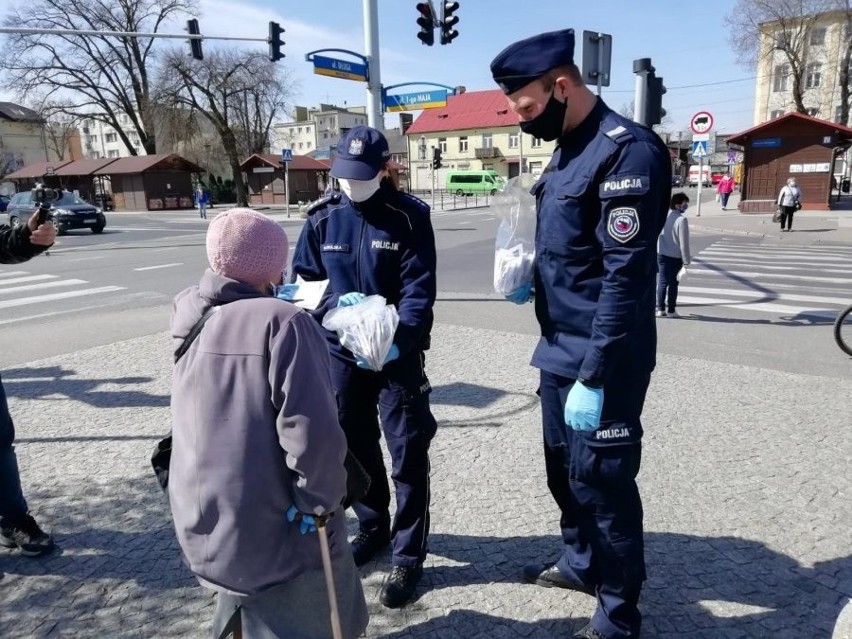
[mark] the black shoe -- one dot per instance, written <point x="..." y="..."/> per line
<point x="550" y="577"/>
<point x="27" y="536"/>
<point x="400" y="585"/>
<point x="587" y="632"/>
<point x="367" y="544"/>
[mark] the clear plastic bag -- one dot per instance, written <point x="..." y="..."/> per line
<point x="514" y="254"/>
<point x="366" y="329"/>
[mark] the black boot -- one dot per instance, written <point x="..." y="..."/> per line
<point x="367" y="544"/>
<point x="399" y="587"/>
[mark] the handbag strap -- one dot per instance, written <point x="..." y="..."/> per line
<point x="193" y="332"/>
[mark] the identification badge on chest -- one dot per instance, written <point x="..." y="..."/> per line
<point x="333" y="247"/>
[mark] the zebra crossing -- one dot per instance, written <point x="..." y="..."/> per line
<point x="20" y="289"/>
<point x="792" y="282"/>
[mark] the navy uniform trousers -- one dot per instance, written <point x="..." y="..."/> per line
<point x="401" y="393"/>
<point x="594" y="484"/>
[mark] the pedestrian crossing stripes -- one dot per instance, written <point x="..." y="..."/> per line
<point x="21" y="288"/>
<point x="792" y="282"/>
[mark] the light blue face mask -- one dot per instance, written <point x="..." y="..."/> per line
<point x="285" y="291"/>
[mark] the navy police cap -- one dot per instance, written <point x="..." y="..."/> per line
<point x="526" y="60"/>
<point x="360" y="154"/>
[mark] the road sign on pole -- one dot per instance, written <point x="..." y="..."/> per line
<point x="416" y="101"/>
<point x="701" y="122"/>
<point x="286" y="155"/>
<point x="699" y="149"/>
<point x="343" y="69"/>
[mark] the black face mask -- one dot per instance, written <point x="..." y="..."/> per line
<point x="549" y="123"/>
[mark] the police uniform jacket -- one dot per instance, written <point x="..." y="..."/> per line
<point x="383" y="246"/>
<point x="601" y="203"/>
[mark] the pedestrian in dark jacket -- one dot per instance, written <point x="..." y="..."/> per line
<point x="18" y="529"/>
<point x="257" y="448"/>
<point x="371" y="239"/>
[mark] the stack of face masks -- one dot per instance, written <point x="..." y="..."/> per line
<point x="366" y="328"/>
<point x="514" y="255"/>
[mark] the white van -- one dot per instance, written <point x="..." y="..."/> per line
<point x="695" y="171"/>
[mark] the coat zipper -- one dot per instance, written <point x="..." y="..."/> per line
<point x="358" y="261"/>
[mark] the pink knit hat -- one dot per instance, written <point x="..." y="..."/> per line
<point x="247" y="246"/>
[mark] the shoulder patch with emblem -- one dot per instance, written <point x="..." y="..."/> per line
<point x="623" y="224"/>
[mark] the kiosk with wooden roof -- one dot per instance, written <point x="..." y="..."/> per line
<point x="265" y="177"/>
<point x="151" y="182"/>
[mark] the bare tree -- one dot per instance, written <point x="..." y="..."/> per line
<point x="107" y="76"/>
<point x="761" y="29"/>
<point x="239" y="93"/>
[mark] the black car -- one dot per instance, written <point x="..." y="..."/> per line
<point x="677" y="180"/>
<point x="4" y="202"/>
<point x="67" y="212"/>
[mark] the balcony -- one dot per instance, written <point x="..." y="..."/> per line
<point x="487" y="152"/>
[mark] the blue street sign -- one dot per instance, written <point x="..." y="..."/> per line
<point x="286" y="155"/>
<point x="416" y="101"/>
<point x="766" y="143"/>
<point x="699" y="149"/>
<point x="343" y="69"/>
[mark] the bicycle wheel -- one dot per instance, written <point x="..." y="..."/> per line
<point x="843" y="330"/>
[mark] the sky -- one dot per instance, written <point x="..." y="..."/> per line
<point x="686" y="41"/>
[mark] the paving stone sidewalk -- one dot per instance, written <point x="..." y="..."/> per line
<point x="745" y="478"/>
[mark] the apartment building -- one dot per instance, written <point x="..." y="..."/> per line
<point x="315" y="131"/>
<point x="821" y="42"/>
<point x="475" y="131"/>
<point x="22" y="138"/>
<point x="101" y="140"/>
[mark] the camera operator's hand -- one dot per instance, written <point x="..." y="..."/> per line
<point x="41" y="234"/>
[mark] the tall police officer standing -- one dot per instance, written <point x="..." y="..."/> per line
<point x="371" y="239"/>
<point x="601" y="204"/>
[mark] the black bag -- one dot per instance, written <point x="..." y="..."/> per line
<point x="357" y="479"/>
<point x="798" y="205"/>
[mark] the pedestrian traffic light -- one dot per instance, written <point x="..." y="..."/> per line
<point x="436" y="158"/>
<point x="448" y="21"/>
<point x="427" y="23"/>
<point x="275" y="41"/>
<point x="654" y="111"/>
<point x="194" y="43"/>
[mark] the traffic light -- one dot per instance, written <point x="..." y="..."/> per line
<point x="427" y="23"/>
<point x="194" y="43"/>
<point x="448" y="21"/>
<point x="275" y="41"/>
<point x="436" y="158"/>
<point x="654" y="111"/>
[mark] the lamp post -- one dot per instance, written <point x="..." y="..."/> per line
<point x="207" y="162"/>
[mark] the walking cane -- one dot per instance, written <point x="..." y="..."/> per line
<point x="322" y="533"/>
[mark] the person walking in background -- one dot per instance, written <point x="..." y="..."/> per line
<point x="18" y="529"/>
<point x="789" y="201"/>
<point x="257" y="449"/>
<point x="672" y="255"/>
<point x="725" y="188"/>
<point x="202" y="198"/>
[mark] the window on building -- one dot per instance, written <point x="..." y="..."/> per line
<point x="309" y="144"/>
<point x="442" y="144"/>
<point x="111" y="137"/>
<point x="325" y="136"/>
<point x="513" y="140"/>
<point x="817" y="36"/>
<point x="112" y="154"/>
<point x="93" y="138"/>
<point x="536" y="143"/>
<point x="301" y="145"/>
<point x="535" y="169"/>
<point x="782" y="38"/>
<point x="487" y="141"/>
<point x="779" y="81"/>
<point x="463" y="144"/>
<point x="813" y="75"/>
<point x="96" y="155"/>
<point x="298" y="129"/>
<point x="813" y="112"/>
<point x="777" y="113"/>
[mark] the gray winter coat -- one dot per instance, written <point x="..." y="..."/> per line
<point x="255" y="429"/>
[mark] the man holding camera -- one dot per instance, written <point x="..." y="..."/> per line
<point x="18" y="529"/>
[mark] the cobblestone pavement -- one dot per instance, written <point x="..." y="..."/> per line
<point x="745" y="478"/>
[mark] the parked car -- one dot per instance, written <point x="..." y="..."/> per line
<point x="677" y="180"/>
<point x="68" y="212"/>
<point x="4" y="202"/>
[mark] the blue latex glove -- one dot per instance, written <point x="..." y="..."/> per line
<point x="307" y="523"/>
<point x="583" y="407"/>
<point x="521" y="295"/>
<point x="393" y="354"/>
<point x="350" y="299"/>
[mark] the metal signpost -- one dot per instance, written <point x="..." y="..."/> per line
<point x="286" y="158"/>
<point x="701" y="125"/>
<point x="597" y="58"/>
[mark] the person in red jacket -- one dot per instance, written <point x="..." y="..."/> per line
<point x="725" y="188"/>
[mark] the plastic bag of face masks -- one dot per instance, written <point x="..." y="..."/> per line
<point x="366" y="328"/>
<point x="514" y="255"/>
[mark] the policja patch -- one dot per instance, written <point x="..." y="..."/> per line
<point x="623" y="224"/>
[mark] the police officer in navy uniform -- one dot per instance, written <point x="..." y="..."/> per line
<point x="371" y="239"/>
<point x="601" y="204"/>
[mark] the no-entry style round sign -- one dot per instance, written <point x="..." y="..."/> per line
<point x="701" y="122"/>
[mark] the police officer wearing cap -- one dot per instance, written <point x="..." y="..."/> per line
<point x="371" y="239"/>
<point x="601" y="204"/>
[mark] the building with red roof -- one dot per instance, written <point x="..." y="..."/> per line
<point x="476" y="131"/>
